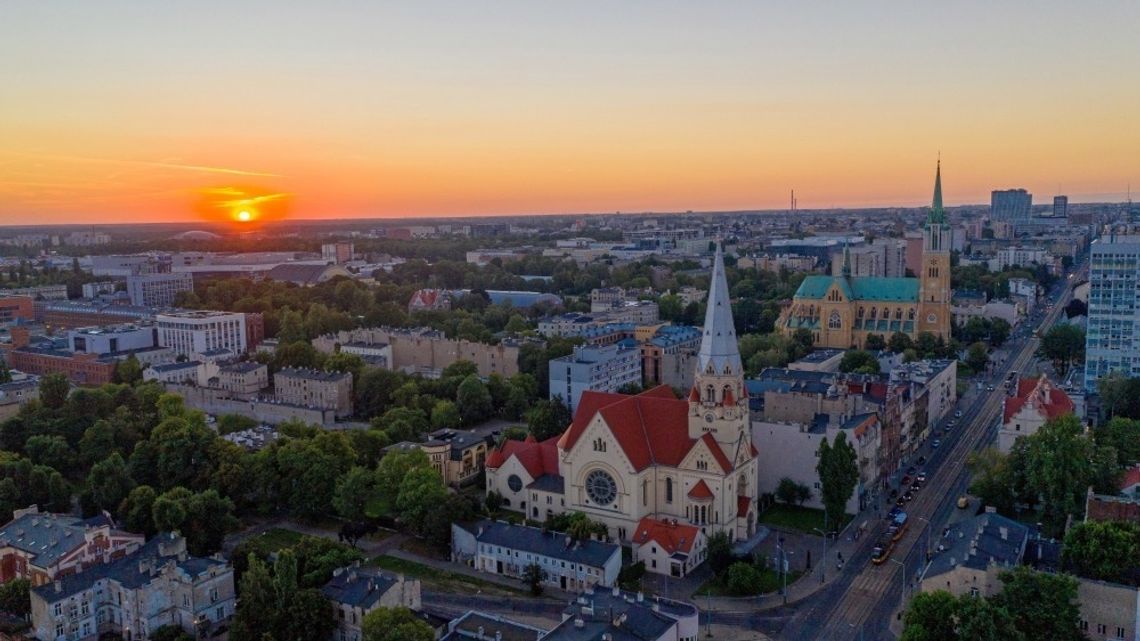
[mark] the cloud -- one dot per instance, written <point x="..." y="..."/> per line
<point x="160" y="164"/>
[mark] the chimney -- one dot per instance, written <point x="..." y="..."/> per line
<point x="58" y="587"/>
<point x="617" y="590"/>
<point x="1004" y="531"/>
<point x="640" y="596"/>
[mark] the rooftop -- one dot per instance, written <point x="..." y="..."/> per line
<point x="312" y="374"/>
<point x="480" y="626"/>
<point x="360" y="587"/>
<point x="978" y="541"/>
<point x="545" y="543"/>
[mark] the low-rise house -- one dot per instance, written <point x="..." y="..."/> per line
<point x="355" y="591"/>
<point x="42" y="547"/>
<point x="16" y="394"/>
<point x="155" y="585"/>
<point x="621" y="616"/>
<point x="1036" y="401"/>
<point x="973" y="553"/>
<point x="668" y="547"/>
<point x="498" y="547"/>
<point x="185" y="372"/>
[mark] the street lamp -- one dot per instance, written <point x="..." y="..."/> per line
<point x="822" y="559"/>
<point x="783" y="561"/>
<point x="929" y="526"/>
<point x="902" y="592"/>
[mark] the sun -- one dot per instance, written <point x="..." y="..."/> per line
<point x="244" y="216"/>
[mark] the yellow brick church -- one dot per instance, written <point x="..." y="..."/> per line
<point x="842" y="311"/>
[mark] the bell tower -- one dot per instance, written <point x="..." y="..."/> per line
<point x="934" y="275"/>
<point x="718" y="402"/>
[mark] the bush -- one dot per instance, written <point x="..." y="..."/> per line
<point x="743" y="579"/>
<point x="630" y="576"/>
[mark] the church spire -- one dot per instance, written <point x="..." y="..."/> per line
<point x="718" y="342"/>
<point x="937" y="214"/>
<point x="846" y="260"/>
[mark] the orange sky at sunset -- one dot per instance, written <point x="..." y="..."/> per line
<point x="123" y="111"/>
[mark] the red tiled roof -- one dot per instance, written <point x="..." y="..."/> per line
<point x="1054" y="402"/>
<point x="717" y="452"/>
<point x="672" y="538"/>
<point x="1131" y="477"/>
<point x="700" y="491"/>
<point x="742" y="505"/>
<point x="537" y="457"/>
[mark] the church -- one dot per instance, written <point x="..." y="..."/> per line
<point x="629" y="461"/>
<point x="842" y="311"/>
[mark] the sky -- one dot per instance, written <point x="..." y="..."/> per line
<point x="117" y="111"/>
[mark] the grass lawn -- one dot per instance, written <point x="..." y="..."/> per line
<point x="770" y="582"/>
<point x="377" y="507"/>
<point x="273" y="540"/>
<point x="442" y="579"/>
<point x="795" y="517"/>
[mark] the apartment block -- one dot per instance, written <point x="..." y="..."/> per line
<point x="157" y="290"/>
<point x="190" y="333"/>
<point x="1112" y="342"/>
<point x="315" y="388"/>
<point x="600" y="368"/>
<point x="41" y="547"/>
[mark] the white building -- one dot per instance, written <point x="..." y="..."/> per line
<point x="1021" y="256"/>
<point x="497" y="547"/>
<point x="941" y="380"/>
<point x="669" y="547"/>
<point x="157" y="290"/>
<point x="605" y="368"/>
<point x="110" y="339"/>
<point x="1035" y="401"/>
<point x="1112" y="343"/>
<point x="195" y="332"/>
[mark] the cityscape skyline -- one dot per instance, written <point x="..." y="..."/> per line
<point x="122" y="113"/>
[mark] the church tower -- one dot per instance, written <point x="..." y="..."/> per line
<point x="718" y="402"/>
<point x="934" y="276"/>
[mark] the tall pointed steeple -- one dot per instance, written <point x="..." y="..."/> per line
<point x="718" y="343"/>
<point x="937" y="214"/>
<point x="846" y="260"/>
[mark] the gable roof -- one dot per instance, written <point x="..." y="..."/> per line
<point x="672" y="537"/>
<point x="359" y="587"/>
<point x="538" y="458"/>
<point x="544" y="542"/>
<point x="981" y="540"/>
<point x="700" y="491"/>
<point x="1040" y="393"/>
<point x="871" y="288"/>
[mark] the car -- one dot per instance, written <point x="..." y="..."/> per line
<point x="989" y="388"/>
<point x="963" y="502"/>
<point x="909" y="496"/>
<point x="947" y="428"/>
<point x="958" y="414"/>
<point x="905" y="480"/>
<point x="895" y="511"/>
<point x="900" y="502"/>
<point x="935" y="443"/>
<point x="951" y="423"/>
<point x="894" y="493"/>
<point x="922" y="460"/>
<point x="921" y="478"/>
<point x="916" y="486"/>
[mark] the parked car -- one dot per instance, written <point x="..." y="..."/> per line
<point x="911" y="470"/>
<point x="935" y="443"/>
<point x="921" y="478"/>
<point x="914" y="487"/>
<point x="922" y="460"/>
<point x="958" y="414"/>
<point x="905" y="480"/>
<point x="908" y="496"/>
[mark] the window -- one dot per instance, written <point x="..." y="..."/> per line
<point x="1119" y="633"/>
<point x="668" y="490"/>
<point x="601" y="487"/>
<point x="599" y="445"/>
<point x="702" y="465"/>
<point x="1101" y="628"/>
<point x="514" y="483"/>
<point x="834" y="321"/>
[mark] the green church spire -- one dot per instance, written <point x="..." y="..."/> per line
<point x="937" y="214"/>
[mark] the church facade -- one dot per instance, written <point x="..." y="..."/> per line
<point x="651" y="455"/>
<point x="842" y="311"/>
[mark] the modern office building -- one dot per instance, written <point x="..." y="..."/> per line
<point x="194" y="332"/>
<point x="604" y="368"/>
<point x="1112" y="342"/>
<point x="1011" y="205"/>
<point x="1060" y="206"/>
<point x="157" y="290"/>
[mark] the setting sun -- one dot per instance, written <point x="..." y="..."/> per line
<point x="244" y="216"/>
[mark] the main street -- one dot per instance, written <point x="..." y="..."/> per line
<point x="862" y="601"/>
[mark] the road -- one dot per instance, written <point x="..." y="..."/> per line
<point x="860" y="604"/>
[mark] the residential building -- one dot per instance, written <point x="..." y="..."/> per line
<point x="157" y="290"/>
<point x="669" y="357"/>
<point x="1024" y="290"/>
<point x="355" y="591"/>
<point x="1109" y="611"/>
<point x="1011" y="205"/>
<point x="599" y="368"/>
<point x="621" y="616"/>
<point x="190" y="333"/>
<point x="498" y="547"/>
<point x="42" y="547"/>
<point x="1018" y="256"/>
<point x="973" y="553"/>
<point x="1035" y="401"/>
<point x="80" y="369"/>
<point x="13" y="308"/>
<point x="243" y="380"/>
<point x="1103" y="507"/>
<point x="1112" y="343"/>
<point x="373" y="354"/>
<point x="458" y="455"/>
<point x="155" y="585"/>
<point x="627" y="457"/>
<point x="17" y="393"/>
<point x="1060" y="206"/>
<point x="194" y="372"/>
<point x="429" y="300"/>
<point x="939" y="376"/>
<point x="669" y="547"/>
<point x="337" y="253"/>
<point x="427" y="352"/>
<point x="841" y="311"/>
<point x="482" y="626"/>
<point x="315" y="388"/>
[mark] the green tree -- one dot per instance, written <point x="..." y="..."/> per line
<point x="875" y="342"/>
<point x="1042" y="605"/>
<point x="900" y="342"/>
<point x="931" y="617"/>
<point x="1103" y="550"/>
<point x="1063" y="344"/>
<point x="719" y="553"/>
<point x="980" y="620"/>
<point x="838" y="471"/>
<point x="109" y="482"/>
<point x="395" y="624"/>
<point x="473" y="400"/>
<point x="396" y="465"/>
<point x="1059" y="468"/>
<point x="15" y="597"/>
<point x="229" y="423"/>
<point x="992" y="481"/>
<point x="128" y="371"/>
<point x="51" y="450"/>
<point x="977" y="357"/>
<point x="421" y="491"/>
<point x="171" y="632"/>
<point x="787" y="491"/>
<point x="548" y="418"/>
<point x="353" y="492"/>
<point x="743" y="579"/>
<point x="137" y="510"/>
<point x="54" y="389"/>
<point x="857" y="360"/>
<point x="533" y="575"/>
<point x="1123" y="435"/>
<point x="445" y="415"/>
<point x="318" y="557"/>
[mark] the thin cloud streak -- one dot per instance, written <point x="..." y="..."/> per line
<point x="147" y="163"/>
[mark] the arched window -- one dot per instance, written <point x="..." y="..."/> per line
<point x="898" y="313"/>
<point x="910" y="314"/>
<point x="874" y="313"/>
<point x="860" y="312"/>
<point x="709" y="394"/>
<point x="725" y="392"/>
<point x="668" y="490"/>
<point x="834" y="321"/>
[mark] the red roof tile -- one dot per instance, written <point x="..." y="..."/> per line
<point x="700" y="491"/>
<point x="1131" y="477"/>
<point x="672" y="538"/>
<point x="717" y="452"/>
<point x="1050" y="401"/>
<point x="742" y="505"/>
<point x="537" y="457"/>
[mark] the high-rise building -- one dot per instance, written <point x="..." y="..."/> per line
<point x="157" y="290"/>
<point x="196" y="332"/>
<point x="337" y="253"/>
<point x="1011" y="205"/>
<point x="604" y="368"/>
<point x="1112" y="343"/>
<point x="1060" y="206"/>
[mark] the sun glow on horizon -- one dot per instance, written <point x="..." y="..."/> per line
<point x="243" y="216"/>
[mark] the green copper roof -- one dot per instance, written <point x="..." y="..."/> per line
<point x="937" y="214"/>
<point x="861" y="288"/>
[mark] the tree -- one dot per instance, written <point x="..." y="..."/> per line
<point x="1123" y="435"/>
<point x="743" y="579"/>
<point x="930" y="617"/>
<point x="421" y="491"/>
<point x="977" y="357"/>
<point x="50" y="450"/>
<point x="992" y="481"/>
<point x="857" y="360"/>
<point x="15" y="597"/>
<point x="533" y="575"/>
<point x="548" y="418"/>
<point x="875" y="342"/>
<point x="395" y="624"/>
<point x="229" y="423"/>
<point x="54" y="389"/>
<point x="171" y="632"/>
<point x="1042" y="605"/>
<point x="109" y="482"/>
<point x="445" y="415"/>
<point x="473" y="400"/>
<point x="1059" y="468"/>
<point x="396" y="465"/>
<point x="1064" y="344"/>
<point x="999" y="331"/>
<point x="128" y="371"/>
<point x="1104" y="550"/>
<point x="838" y="471"/>
<point x="353" y="492"/>
<point x="719" y="552"/>
<point x="787" y="491"/>
<point x="137" y="510"/>
<point x="318" y="557"/>
<point x="980" y="620"/>
<point x="900" y="342"/>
